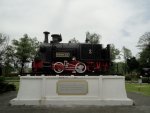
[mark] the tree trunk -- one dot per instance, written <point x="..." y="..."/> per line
<point x="22" y="68"/>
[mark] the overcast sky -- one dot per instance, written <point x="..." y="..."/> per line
<point x="120" y="22"/>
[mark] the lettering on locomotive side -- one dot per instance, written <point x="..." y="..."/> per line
<point x="62" y="54"/>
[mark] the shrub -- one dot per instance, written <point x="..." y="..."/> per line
<point x="2" y="79"/>
<point x="127" y="77"/>
<point x="10" y="87"/>
<point x="145" y="80"/>
<point x="4" y="87"/>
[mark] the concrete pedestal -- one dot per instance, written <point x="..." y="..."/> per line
<point x="72" y="90"/>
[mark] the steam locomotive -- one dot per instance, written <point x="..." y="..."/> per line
<point x="70" y="58"/>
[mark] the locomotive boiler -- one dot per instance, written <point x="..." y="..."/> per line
<point x="70" y="58"/>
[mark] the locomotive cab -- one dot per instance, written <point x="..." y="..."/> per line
<point x="56" y="38"/>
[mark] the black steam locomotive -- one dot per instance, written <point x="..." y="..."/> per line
<point x="71" y="58"/>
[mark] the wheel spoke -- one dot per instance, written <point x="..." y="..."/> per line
<point x="80" y="67"/>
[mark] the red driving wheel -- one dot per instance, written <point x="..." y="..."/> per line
<point x="58" y="67"/>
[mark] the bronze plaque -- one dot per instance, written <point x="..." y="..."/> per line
<point x="72" y="87"/>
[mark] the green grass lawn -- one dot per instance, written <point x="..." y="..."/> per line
<point x="139" y="88"/>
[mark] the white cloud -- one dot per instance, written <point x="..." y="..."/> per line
<point x="119" y="22"/>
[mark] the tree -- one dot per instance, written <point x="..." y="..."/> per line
<point x="115" y="53"/>
<point x="9" y="55"/>
<point x="92" y="38"/>
<point x="74" y="40"/>
<point x="126" y="53"/>
<point x="8" y="59"/>
<point x="144" y="45"/>
<point x="25" y="50"/>
<point x="144" y="40"/>
<point x="132" y="64"/>
<point x="145" y="57"/>
<point x="3" y="44"/>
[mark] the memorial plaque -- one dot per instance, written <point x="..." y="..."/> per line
<point x="72" y="87"/>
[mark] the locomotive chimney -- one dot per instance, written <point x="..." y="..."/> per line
<point x="46" y="36"/>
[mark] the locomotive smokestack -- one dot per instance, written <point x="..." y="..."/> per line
<point x="46" y="36"/>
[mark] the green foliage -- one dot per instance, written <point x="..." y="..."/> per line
<point x="132" y="64"/>
<point x="145" y="80"/>
<point x="2" y="38"/>
<point x="144" y="45"/>
<point x="14" y="78"/>
<point x="2" y="79"/>
<point x="115" y="53"/>
<point x="145" y="57"/>
<point x="118" y="67"/>
<point x="3" y="44"/>
<point x="25" y="49"/>
<point x="92" y="38"/>
<point x="9" y="55"/>
<point x="126" y="53"/>
<point x="9" y="60"/>
<point x="128" y="77"/>
<point x="144" y="40"/>
<point x="4" y="86"/>
<point x="14" y="81"/>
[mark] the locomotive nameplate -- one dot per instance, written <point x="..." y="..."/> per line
<point x="72" y="87"/>
<point x="62" y="54"/>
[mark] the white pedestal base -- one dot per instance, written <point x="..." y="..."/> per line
<point x="88" y="102"/>
<point x="72" y="90"/>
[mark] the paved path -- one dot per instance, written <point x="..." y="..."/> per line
<point x="142" y="105"/>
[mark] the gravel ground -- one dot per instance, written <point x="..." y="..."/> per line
<point x="142" y="105"/>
